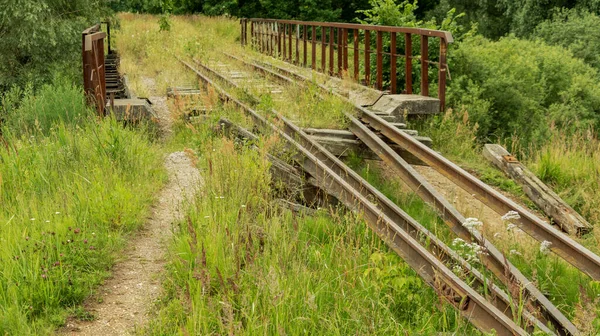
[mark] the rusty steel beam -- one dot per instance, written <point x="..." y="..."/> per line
<point x="467" y="301"/>
<point x="495" y="260"/>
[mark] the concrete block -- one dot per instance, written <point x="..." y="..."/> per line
<point x="133" y="109"/>
<point x="400" y="104"/>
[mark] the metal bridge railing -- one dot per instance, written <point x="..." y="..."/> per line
<point x="94" y="68"/>
<point x="346" y="47"/>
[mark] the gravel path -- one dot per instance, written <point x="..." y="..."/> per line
<point x="124" y="301"/>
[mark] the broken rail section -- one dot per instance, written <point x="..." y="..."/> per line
<point x="347" y="47"/>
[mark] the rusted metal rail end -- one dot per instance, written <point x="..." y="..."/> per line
<point x="494" y="260"/>
<point x="390" y="230"/>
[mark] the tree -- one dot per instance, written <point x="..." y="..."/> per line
<point x="36" y="34"/>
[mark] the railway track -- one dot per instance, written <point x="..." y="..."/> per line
<point x="494" y="260"/>
<point x="336" y="178"/>
<point x="561" y="244"/>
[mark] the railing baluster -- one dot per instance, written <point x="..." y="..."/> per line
<point x="345" y="47"/>
<point x="290" y="44"/>
<point x="367" y="57"/>
<point x="323" y="49"/>
<point x="442" y="74"/>
<point x="408" y="64"/>
<point x="313" y="51"/>
<point x="355" y="34"/>
<point x="296" y="33"/>
<point x="331" y="43"/>
<point x="379" y="60"/>
<point x="304" y="31"/>
<point x="393" y="62"/>
<point x="340" y="53"/>
<point x="424" y="66"/>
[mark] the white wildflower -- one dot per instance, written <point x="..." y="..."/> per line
<point x="243" y="205"/>
<point x="469" y="251"/>
<point x="57" y="213"/>
<point x="545" y="247"/>
<point x="511" y="215"/>
<point x="47" y="221"/>
<point x="515" y="252"/>
<point x="472" y="224"/>
<point x="510" y="226"/>
<point x="32" y="219"/>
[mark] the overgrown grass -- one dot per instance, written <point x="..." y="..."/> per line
<point x="241" y="264"/>
<point x="71" y="188"/>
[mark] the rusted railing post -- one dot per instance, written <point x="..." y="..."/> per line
<point x="367" y="57"/>
<point x="379" y="60"/>
<point x="442" y="74"/>
<point x="424" y="66"/>
<point x="345" y="47"/>
<point x="323" y="49"/>
<point x="313" y="52"/>
<point x="355" y="35"/>
<point x="304" y="31"/>
<point x="331" y="49"/>
<point x="393" y="73"/>
<point x="408" y="62"/>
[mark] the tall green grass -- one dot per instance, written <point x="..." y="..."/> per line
<point x="71" y="188"/>
<point x="242" y="264"/>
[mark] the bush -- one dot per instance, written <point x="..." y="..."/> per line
<point x="517" y="88"/>
<point x="574" y="30"/>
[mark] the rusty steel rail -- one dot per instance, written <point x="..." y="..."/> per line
<point x="279" y="37"/>
<point x="392" y="211"/>
<point x="494" y="260"/>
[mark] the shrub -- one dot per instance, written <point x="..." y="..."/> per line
<point x="25" y="112"/>
<point x="519" y="87"/>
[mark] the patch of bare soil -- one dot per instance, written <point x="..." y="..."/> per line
<point x="124" y="301"/>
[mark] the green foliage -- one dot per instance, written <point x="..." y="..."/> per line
<point x="69" y="193"/>
<point x="575" y="30"/>
<point x="38" y="34"/>
<point x="164" y="24"/>
<point x="516" y="87"/>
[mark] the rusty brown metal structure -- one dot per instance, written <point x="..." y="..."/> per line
<point x="94" y="71"/>
<point x="345" y="43"/>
